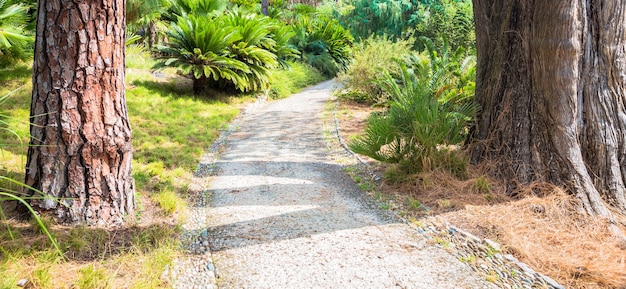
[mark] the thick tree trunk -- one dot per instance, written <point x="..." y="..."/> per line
<point x="550" y="82"/>
<point x="80" y="152"/>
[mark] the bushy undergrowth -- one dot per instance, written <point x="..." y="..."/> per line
<point x="420" y="128"/>
<point x="402" y="18"/>
<point x="291" y="80"/>
<point x="372" y="57"/>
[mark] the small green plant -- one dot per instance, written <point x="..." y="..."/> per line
<point x="92" y="277"/>
<point x="492" y="276"/>
<point x="366" y="186"/>
<point x="482" y="185"/>
<point x="470" y="259"/>
<point x="414" y="203"/>
<point x="443" y="242"/>
<point x="491" y="251"/>
<point x="445" y="203"/>
<point x="169" y="201"/>
<point x="385" y="206"/>
<point x="42" y="277"/>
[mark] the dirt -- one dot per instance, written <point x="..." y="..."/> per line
<point x="285" y="214"/>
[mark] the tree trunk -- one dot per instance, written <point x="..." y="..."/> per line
<point x="265" y="7"/>
<point x="80" y="151"/>
<point x="152" y="35"/>
<point x="550" y="82"/>
<point x="200" y="84"/>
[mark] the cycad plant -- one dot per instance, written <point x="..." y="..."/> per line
<point x="199" y="47"/>
<point x="255" y="48"/>
<point x="15" y="39"/>
<point x="418" y="129"/>
<point x="323" y="43"/>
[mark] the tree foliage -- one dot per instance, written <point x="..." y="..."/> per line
<point x="403" y="18"/>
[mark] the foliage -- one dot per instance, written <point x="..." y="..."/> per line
<point x="323" y="43"/>
<point x="15" y="38"/>
<point x="225" y="49"/>
<point x="200" y="48"/>
<point x="291" y="80"/>
<point x="380" y="17"/>
<point x="452" y="20"/>
<point x="419" y="127"/>
<point x="403" y="18"/>
<point x="371" y="57"/>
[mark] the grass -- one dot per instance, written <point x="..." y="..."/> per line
<point x="287" y="82"/>
<point x="171" y="130"/>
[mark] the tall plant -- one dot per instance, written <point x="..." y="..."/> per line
<point x="200" y="48"/>
<point x="419" y="126"/>
<point x="323" y="43"/>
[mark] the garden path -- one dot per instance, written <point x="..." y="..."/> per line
<point x="284" y="214"/>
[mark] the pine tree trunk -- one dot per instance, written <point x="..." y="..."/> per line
<point x="80" y="151"/>
<point x="550" y="82"/>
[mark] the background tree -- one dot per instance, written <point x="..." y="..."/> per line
<point x="550" y="82"/>
<point x="80" y="151"/>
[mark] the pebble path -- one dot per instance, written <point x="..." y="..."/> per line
<point x="275" y="210"/>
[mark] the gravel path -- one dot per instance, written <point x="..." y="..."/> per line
<point x="284" y="215"/>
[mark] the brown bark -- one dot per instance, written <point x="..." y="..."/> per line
<point x="80" y="152"/>
<point x="550" y="82"/>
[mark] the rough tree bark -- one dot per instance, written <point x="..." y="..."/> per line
<point x="550" y="82"/>
<point x="80" y="151"/>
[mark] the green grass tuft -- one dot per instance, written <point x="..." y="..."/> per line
<point x="287" y="82"/>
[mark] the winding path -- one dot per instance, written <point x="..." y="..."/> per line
<point x="285" y="215"/>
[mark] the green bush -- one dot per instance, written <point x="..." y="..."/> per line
<point x="419" y="130"/>
<point x="228" y="50"/>
<point x="323" y="43"/>
<point x="371" y="57"/>
<point x="401" y="18"/>
<point x="296" y="77"/>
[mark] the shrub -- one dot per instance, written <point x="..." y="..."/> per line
<point x="418" y="129"/>
<point x="199" y="47"/>
<point x="291" y="80"/>
<point x="323" y="43"/>
<point x="225" y="49"/>
<point x="371" y="57"/>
